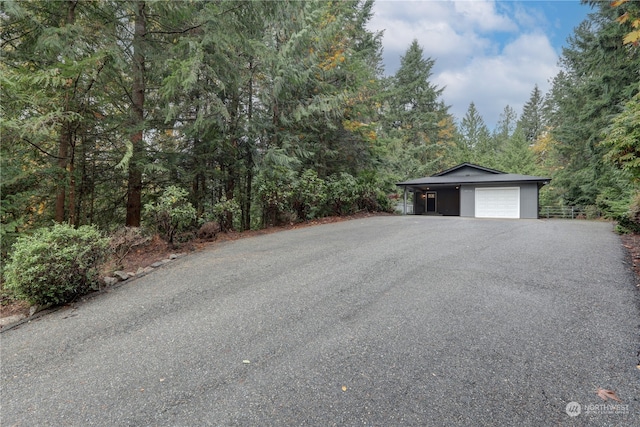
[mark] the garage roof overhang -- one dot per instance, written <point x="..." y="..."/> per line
<point x="488" y="179"/>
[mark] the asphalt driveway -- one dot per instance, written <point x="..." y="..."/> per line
<point x="381" y="321"/>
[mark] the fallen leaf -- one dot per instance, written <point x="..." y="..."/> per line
<point x="605" y="394"/>
<point x="344" y="388"/>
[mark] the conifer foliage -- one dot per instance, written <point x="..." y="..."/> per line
<point x="249" y="109"/>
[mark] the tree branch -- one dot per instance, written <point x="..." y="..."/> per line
<point x="42" y="150"/>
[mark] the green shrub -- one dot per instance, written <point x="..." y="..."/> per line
<point x="172" y="213"/>
<point x="371" y="197"/>
<point x="591" y="212"/>
<point x="309" y="195"/>
<point x="227" y="213"/>
<point x="342" y="194"/>
<point x="634" y="208"/>
<point x="274" y="191"/>
<point x="630" y="222"/>
<point x="57" y="264"/>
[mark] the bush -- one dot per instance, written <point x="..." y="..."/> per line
<point x="630" y="222"/>
<point x="56" y="265"/>
<point x="309" y="195"/>
<point x="172" y="213"/>
<point x="634" y="209"/>
<point x="591" y="212"/>
<point x="342" y="194"/>
<point x="371" y="197"/>
<point x="226" y="212"/>
<point x="274" y="191"/>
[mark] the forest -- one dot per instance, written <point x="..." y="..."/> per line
<point x="168" y="115"/>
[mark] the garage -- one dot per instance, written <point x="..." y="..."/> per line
<point x="503" y="202"/>
<point x="470" y="190"/>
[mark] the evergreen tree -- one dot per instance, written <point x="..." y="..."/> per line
<point x="532" y="118"/>
<point x="415" y="117"/>
<point x="600" y="75"/>
<point x="473" y="136"/>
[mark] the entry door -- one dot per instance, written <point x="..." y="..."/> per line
<point x="431" y="202"/>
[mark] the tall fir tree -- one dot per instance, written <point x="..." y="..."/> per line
<point x="473" y="136"/>
<point x="532" y="118"/>
<point x="416" y="116"/>
<point x="600" y="74"/>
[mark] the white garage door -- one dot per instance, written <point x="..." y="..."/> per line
<point x="496" y="202"/>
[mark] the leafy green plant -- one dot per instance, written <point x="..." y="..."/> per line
<point x="630" y="222"/>
<point x="592" y="212"/>
<point x="57" y="264"/>
<point x="371" y="197"/>
<point x="274" y="191"/>
<point x="309" y="195"/>
<point x="226" y="212"/>
<point x="342" y="194"/>
<point x="172" y="213"/>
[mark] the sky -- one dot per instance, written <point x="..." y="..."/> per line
<point x="488" y="52"/>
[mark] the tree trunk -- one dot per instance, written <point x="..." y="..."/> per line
<point x="134" y="187"/>
<point x="246" y="206"/>
<point x="65" y="138"/>
<point x="72" y="188"/>
<point x="63" y="160"/>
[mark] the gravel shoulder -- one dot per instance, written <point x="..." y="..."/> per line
<point x="377" y="321"/>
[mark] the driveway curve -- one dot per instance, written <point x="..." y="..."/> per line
<point x="392" y="320"/>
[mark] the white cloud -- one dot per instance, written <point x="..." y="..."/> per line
<point x="484" y="16"/>
<point x="493" y="82"/>
<point x="486" y="52"/>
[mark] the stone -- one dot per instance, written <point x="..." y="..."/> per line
<point x="121" y="275"/>
<point x="156" y="264"/>
<point x="11" y="319"/>
<point x="109" y="281"/>
<point x="36" y="308"/>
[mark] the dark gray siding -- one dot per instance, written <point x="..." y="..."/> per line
<point x="449" y="201"/>
<point x="467" y="200"/>
<point x="418" y="203"/>
<point x="529" y="200"/>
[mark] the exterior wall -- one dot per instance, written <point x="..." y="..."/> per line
<point x="528" y="199"/>
<point x="418" y="203"/>
<point x="448" y="201"/>
<point x="467" y="200"/>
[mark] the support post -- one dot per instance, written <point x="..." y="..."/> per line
<point x="404" y="206"/>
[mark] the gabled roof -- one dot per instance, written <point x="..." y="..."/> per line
<point x="467" y="165"/>
<point x="482" y="175"/>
